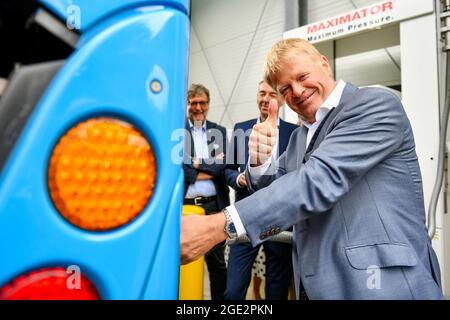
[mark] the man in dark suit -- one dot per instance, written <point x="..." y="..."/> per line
<point x="349" y="182"/>
<point x="205" y="151"/>
<point x="242" y="256"/>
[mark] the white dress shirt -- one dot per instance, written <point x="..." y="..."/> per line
<point x="200" y="188"/>
<point x="256" y="172"/>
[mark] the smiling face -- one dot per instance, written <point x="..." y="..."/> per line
<point x="305" y="81"/>
<point x="265" y="94"/>
<point x="198" y="107"/>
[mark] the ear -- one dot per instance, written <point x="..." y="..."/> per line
<point x="326" y="66"/>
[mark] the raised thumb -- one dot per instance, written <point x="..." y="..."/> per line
<point x="272" y="117"/>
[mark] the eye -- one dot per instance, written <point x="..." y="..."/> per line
<point x="284" y="91"/>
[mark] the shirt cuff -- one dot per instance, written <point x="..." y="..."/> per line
<point x="240" y="230"/>
<point x="257" y="172"/>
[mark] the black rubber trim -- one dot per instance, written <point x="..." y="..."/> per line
<point x="26" y="86"/>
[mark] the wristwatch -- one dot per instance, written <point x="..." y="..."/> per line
<point x="229" y="229"/>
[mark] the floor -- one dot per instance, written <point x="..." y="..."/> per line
<point x="207" y="293"/>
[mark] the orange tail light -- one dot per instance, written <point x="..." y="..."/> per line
<point x="101" y="174"/>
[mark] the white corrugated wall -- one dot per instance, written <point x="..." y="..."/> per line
<point x="229" y="40"/>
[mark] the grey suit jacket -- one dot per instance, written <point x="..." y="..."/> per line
<point x="356" y="203"/>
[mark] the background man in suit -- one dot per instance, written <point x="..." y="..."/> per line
<point x="349" y="182"/>
<point x="204" y="175"/>
<point x="242" y="256"/>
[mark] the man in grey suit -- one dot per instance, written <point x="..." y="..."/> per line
<point x="349" y="182"/>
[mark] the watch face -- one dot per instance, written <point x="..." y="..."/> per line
<point x="231" y="228"/>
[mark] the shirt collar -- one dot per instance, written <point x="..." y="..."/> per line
<point x="191" y="125"/>
<point x="331" y="102"/>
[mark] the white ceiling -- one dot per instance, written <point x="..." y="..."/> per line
<point x="229" y="40"/>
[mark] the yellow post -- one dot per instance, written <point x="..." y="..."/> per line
<point x="191" y="275"/>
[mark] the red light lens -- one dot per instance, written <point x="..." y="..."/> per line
<point x="49" y="284"/>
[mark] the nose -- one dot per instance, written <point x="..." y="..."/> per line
<point x="197" y="107"/>
<point x="266" y="98"/>
<point x="297" y="90"/>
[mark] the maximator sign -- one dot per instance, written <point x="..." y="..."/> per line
<point x="369" y="17"/>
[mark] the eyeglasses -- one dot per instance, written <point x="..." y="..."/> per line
<point x="201" y="103"/>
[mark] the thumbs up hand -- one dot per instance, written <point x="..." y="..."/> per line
<point x="272" y="118"/>
<point x="263" y="137"/>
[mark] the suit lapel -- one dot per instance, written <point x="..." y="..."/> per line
<point x="211" y="149"/>
<point x="282" y="140"/>
<point x="347" y="94"/>
<point x="301" y="145"/>
<point x="189" y="141"/>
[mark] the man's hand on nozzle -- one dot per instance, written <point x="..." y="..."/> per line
<point x="263" y="137"/>
<point x="199" y="234"/>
